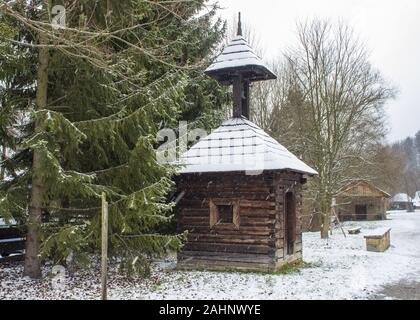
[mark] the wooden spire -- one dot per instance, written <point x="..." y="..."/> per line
<point x="239" y="65"/>
<point x="239" y="33"/>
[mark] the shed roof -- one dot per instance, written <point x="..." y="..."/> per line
<point x="240" y="145"/>
<point x="355" y="188"/>
<point x="401" y="197"/>
<point x="239" y="57"/>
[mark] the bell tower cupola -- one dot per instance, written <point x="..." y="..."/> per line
<point x="239" y="65"/>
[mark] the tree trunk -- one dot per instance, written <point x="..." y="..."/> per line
<point x="326" y="216"/>
<point x="325" y="225"/>
<point x="3" y="158"/>
<point x="32" y="261"/>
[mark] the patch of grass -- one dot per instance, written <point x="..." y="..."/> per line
<point x="295" y="267"/>
<point x="156" y="286"/>
<point x="181" y="278"/>
<point x="288" y="268"/>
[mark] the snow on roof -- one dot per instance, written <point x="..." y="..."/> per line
<point x="355" y="183"/>
<point x="238" y="53"/>
<point x="401" y="197"/>
<point x="240" y="145"/>
<point x="378" y="232"/>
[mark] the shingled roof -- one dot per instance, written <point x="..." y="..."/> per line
<point x="351" y="188"/>
<point x="240" y="145"/>
<point x="401" y="197"/>
<point x="238" y="56"/>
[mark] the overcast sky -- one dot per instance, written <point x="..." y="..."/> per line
<point x="389" y="28"/>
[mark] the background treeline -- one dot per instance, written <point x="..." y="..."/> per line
<point x="407" y="163"/>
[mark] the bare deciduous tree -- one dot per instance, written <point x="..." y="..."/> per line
<point x="269" y="99"/>
<point x="338" y="99"/>
<point x="326" y="107"/>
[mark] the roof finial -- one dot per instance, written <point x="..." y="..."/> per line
<point x="239" y="25"/>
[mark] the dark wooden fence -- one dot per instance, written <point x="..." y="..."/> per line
<point x="12" y="242"/>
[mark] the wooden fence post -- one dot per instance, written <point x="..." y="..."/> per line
<point x="104" y="256"/>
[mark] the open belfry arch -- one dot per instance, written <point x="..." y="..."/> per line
<point x="242" y="190"/>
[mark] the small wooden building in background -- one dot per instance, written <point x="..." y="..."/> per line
<point x="402" y="201"/>
<point x="360" y="200"/>
<point x="242" y="190"/>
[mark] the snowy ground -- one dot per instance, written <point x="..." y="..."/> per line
<point x="341" y="268"/>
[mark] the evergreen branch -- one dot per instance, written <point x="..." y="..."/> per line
<point x="61" y="118"/>
<point x="73" y="209"/>
<point x="144" y="235"/>
<point x="125" y="165"/>
<point x="48" y="30"/>
<point x="134" y="194"/>
<point x="117" y="115"/>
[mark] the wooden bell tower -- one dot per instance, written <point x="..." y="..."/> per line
<point x="241" y="189"/>
<point x="238" y="65"/>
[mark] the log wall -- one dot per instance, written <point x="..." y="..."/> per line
<point x="375" y="208"/>
<point x="362" y="193"/>
<point x="256" y="241"/>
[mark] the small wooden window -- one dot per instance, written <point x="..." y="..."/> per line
<point x="224" y="213"/>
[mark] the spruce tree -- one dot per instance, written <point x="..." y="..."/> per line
<point x="103" y="86"/>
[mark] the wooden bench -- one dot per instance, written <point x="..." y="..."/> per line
<point x="354" y="230"/>
<point x="11" y="241"/>
<point x="378" y="240"/>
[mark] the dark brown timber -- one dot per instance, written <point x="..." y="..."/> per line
<point x="257" y="241"/>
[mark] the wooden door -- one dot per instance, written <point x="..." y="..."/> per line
<point x="361" y="212"/>
<point x="290" y="223"/>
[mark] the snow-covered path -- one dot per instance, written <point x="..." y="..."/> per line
<point x="341" y="269"/>
<point x="362" y="273"/>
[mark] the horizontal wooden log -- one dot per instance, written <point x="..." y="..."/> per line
<point x="186" y="202"/>
<point x="234" y="236"/>
<point x="255" y="221"/>
<point x="234" y="239"/>
<point x="194" y="220"/>
<point x="225" y="179"/>
<point x="265" y="232"/>
<point x="243" y="230"/>
<point x="195" y="263"/>
<point x="196" y="212"/>
<point x="225" y="256"/>
<point x="232" y="188"/>
<point x="256" y="211"/>
<point x="246" y="195"/>
<point x="257" y="204"/>
<point x="228" y="247"/>
<point x="186" y="223"/>
<point x="244" y="212"/>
